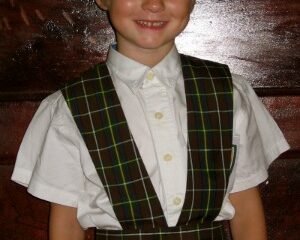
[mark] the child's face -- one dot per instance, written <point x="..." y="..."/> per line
<point x="147" y="24"/>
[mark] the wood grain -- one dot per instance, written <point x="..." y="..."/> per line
<point x="286" y="112"/>
<point x="281" y="197"/>
<point x="23" y="216"/>
<point x="20" y="214"/>
<point x="258" y="39"/>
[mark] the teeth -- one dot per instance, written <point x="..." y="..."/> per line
<point x="151" y="24"/>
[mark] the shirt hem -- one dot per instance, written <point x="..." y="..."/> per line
<point x="261" y="175"/>
<point x="253" y="181"/>
<point x="21" y="176"/>
<point x="53" y="195"/>
<point x="277" y="149"/>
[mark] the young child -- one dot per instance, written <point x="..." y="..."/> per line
<point x="153" y="144"/>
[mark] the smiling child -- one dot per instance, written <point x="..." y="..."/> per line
<point x="152" y="144"/>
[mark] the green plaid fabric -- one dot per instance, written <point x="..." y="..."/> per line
<point x="209" y="97"/>
<point x="96" y="109"/>
<point x="208" y="231"/>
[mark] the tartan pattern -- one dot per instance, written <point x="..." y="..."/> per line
<point x="209" y="97"/>
<point x="97" y="112"/>
<point x="209" y="231"/>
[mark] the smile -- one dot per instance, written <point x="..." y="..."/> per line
<point x="151" y="24"/>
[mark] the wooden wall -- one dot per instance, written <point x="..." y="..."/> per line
<point x="44" y="43"/>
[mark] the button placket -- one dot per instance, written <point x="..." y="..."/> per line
<point x="162" y="126"/>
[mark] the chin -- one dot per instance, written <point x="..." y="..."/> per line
<point x="151" y="45"/>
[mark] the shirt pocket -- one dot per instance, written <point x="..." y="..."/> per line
<point x="234" y="150"/>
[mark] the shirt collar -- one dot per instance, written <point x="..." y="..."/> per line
<point x="133" y="73"/>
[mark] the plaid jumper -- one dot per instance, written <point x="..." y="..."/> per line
<point x="100" y="119"/>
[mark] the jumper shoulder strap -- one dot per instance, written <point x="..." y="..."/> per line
<point x="209" y="98"/>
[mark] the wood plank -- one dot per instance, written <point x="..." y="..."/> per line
<point x="22" y="216"/>
<point x="256" y="39"/>
<point x="286" y="112"/>
<point x="281" y="199"/>
<point x="14" y="120"/>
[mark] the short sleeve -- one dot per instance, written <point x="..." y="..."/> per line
<point x="260" y="139"/>
<point x="48" y="161"/>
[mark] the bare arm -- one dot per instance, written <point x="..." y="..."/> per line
<point x="249" y="221"/>
<point x="63" y="224"/>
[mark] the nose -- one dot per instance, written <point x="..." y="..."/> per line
<point x="153" y="5"/>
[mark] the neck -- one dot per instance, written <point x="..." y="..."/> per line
<point x="149" y="57"/>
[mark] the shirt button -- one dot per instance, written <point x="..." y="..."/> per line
<point x="177" y="201"/>
<point x="158" y="115"/>
<point x="168" y="157"/>
<point x="150" y="75"/>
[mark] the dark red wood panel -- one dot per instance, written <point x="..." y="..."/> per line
<point x="44" y="43"/>
<point x="258" y="39"/>
<point x="14" y="120"/>
<point x="21" y="216"/>
<point x="281" y="199"/>
<point x="286" y="112"/>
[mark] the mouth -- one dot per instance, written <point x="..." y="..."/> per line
<point x="151" y="24"/>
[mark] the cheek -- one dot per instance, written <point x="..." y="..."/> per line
<point x="181" y="12"/>
<point x="183" y="17"/>
<point x="121" y="12"/>
<point x="122" y="7"/>
<point x="117" y="17"/>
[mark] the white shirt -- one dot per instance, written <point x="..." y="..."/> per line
<point x="54" y="163"/>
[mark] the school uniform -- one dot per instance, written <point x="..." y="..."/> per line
<point x="187" y="146"/>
